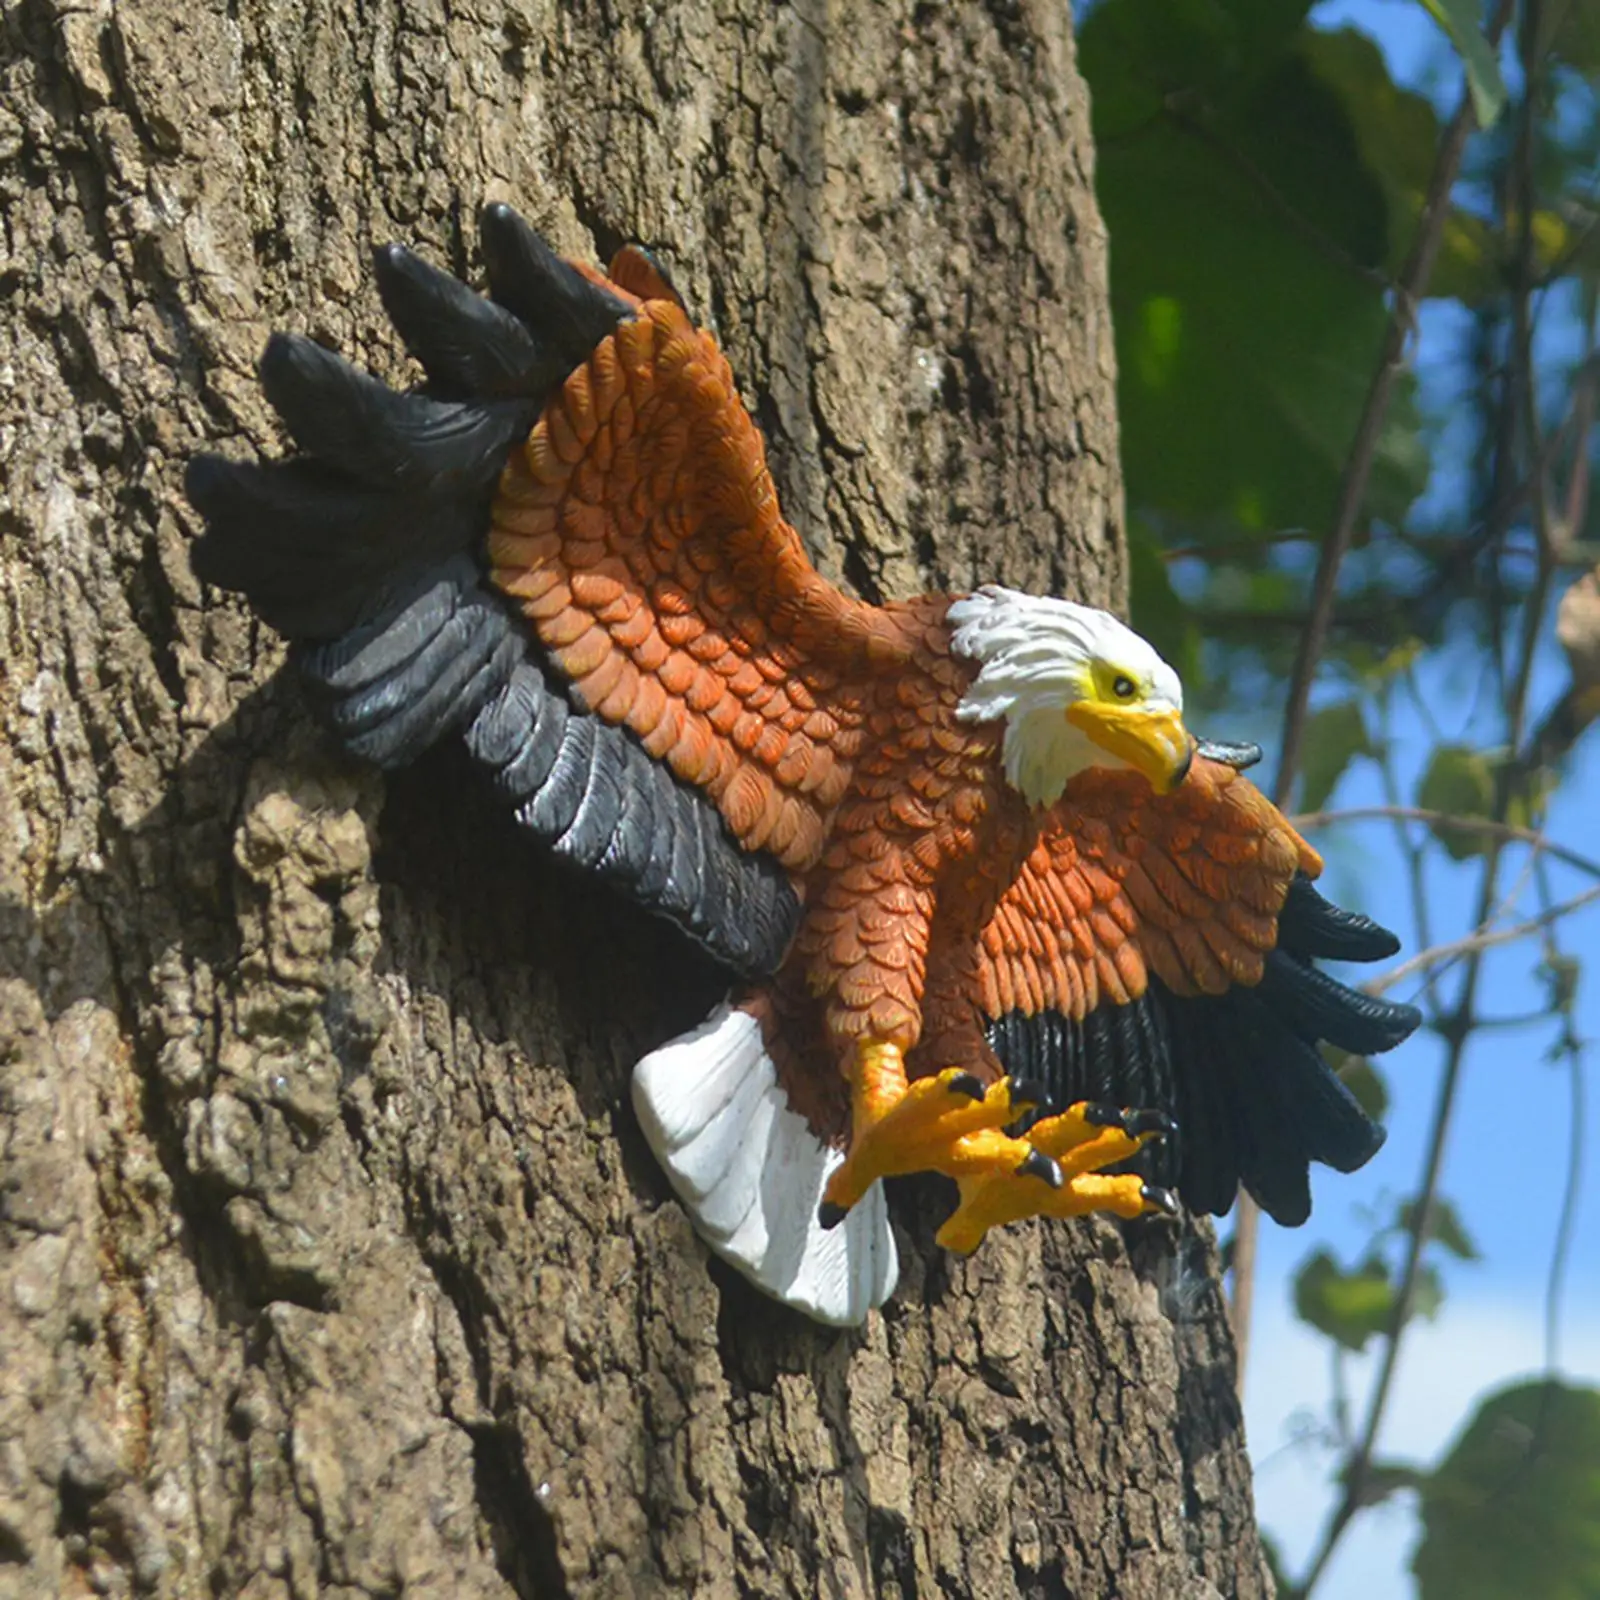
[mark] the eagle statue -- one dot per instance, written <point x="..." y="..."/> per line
<point x="991" y="909"/>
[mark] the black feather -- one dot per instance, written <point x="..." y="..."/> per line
<point x="549" y="812"/>
<point x="567" y="313"/>
<point x="680" y="894"/>
<point x="1308" y="925"/>
<point x="584" y="840"/>
<point x="1240" y="1072"/>
<point x="502" y="733"/>
<point x="665" y="798"/>
<point x="543" y="732"/>
<point x="1320" y="1007"/>
<point x="591" y="791"/>
<point x="351" y="421"/>
<point x="376" y="647"/>
<point x="1208" y="1155"/>
<point x="315" y="556"/>
<point x="392" y="721"/>
<point x="466" y="344"/>
<point x="627" y="851"/>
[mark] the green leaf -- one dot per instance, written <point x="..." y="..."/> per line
<point x="1364" y="1081"/>
<point x="1576" y="39"/>
<point x="1459" y="19"/>
<point x="1157" y="611"/>
<point x="1459" y="782"/>
<point x="1514" y="1509"/>
<point x="1561" y="974"/>
<point x="1250" y="239"/>
<point x="1427" y="1295"/>
<point x="1445" y="1228"/>
<point x="1335" y="736"/>
<point x="1349" y="1307"/>
<point x="1396" y="130"/>
<point x="1395" y="661"/>
<point x="1382" y="1479"/>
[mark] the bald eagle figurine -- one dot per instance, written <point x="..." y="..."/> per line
<point x="991" y="910"/>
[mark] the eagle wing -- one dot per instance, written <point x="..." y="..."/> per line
<point x="1159" y="951"/>
<point x="566" y="547"/>
<point x="638" y="529"/>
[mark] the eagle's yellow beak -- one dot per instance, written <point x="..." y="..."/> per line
<point x="1155" y="743"/>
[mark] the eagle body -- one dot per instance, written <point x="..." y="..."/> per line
<point x="988" y="908"/>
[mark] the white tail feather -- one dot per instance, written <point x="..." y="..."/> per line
<point x="751" y="1172"/>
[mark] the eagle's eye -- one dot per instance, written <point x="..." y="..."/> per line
<point x="1123" y="687"/>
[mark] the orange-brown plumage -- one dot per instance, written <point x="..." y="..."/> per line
<point x="949" y="838"/>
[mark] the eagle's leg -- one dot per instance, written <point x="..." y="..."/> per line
<point x="1084" y="1139"/>
<point x="946" y="1122"/>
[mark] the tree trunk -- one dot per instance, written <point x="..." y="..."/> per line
<point x="335" y="1263"/>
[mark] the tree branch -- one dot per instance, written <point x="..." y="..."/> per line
<point x="1476" y="943"/>
<point x="1310" y="821"/>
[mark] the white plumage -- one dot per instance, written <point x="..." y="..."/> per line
<point x="751" y="1172"/>
<point x="1036" y="656"/>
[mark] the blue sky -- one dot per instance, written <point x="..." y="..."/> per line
<point x="1506" y="1169"/>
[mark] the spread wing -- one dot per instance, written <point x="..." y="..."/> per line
<point x="567" y="548"/>
<point x="638" y="528"/>
<point x="1160" y="951"/>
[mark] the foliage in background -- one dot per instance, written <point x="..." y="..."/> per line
<point x="1264" y="182"/>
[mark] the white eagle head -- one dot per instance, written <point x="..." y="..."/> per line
<point x="1076" y="688"/>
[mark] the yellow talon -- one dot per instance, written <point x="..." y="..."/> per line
<point x="1083" y="1139"/>
<point x="947" y="1122"/>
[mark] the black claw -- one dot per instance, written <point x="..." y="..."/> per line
<point x="1162" y="1199"/>
<point x="1038" y="1165"/>
<point x="966" y="1083"/>
<point x="1030" y="1092"/>
<point x="1101" y="1114"/>
<point x="830" y="1215"/>
<point x="1158" y="1123"/>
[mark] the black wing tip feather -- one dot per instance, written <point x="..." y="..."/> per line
<point x="364" y="551"/>
<point x="563" y="308"/>
<point x="1241" y="1073"/>
<point x="1311" y="925"/>
<point x="1317" y="1006"/>
<point x="467" y="344"/>
<point x="391" y="261"/>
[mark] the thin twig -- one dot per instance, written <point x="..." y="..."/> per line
<point x="1363" y="452"/>
<point x="1310" y="821"/>
<point x="1569" y="1048"/>
<point x="1484" y="938"/>
<point x="1410" y="848"/>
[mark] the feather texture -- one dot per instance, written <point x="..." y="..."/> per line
<point x="466" y="344"/>
<point x="567" y="549"/>
<point x="1241" y="1072"/>
<point x="752" y="1172"/>
<point x="387" y="440"/>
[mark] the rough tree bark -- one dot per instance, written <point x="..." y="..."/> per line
<point x="334" y="1263"/>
